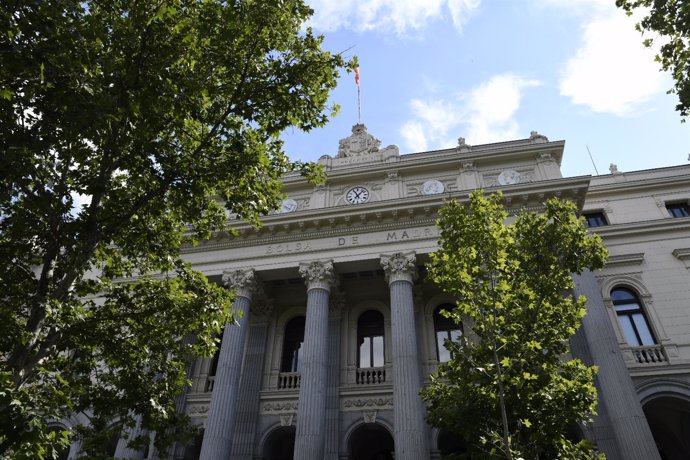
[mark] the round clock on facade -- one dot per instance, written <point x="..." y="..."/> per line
<point x="357" y="195"/>
<point x="288" y="205"/>
<point x="509" y="177"/>
<point x="432" y="187"/>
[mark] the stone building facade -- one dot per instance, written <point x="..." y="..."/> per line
<point x="340" y="329"/>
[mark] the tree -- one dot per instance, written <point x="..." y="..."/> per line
<point x="671" y="20"/>
<point x="127" y="130"/>
<point x="509" y="389"/>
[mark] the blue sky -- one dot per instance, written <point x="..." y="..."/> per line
<point x="491" y="71"/>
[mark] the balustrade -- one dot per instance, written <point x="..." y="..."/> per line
<point x="649" y="355"/>
<point x="371" y="375"/>
<point x="289" y="380"/>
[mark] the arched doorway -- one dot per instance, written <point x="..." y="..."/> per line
<point x="280" y="444"/>
<point x="669" y="420"/>
<point x="371" y="442"/>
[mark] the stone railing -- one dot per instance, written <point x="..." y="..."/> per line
<point x="371" y="376"/>
<point x="288" y="380"/>
<point x="652" y="354"/>
<point x="210" y="381"/>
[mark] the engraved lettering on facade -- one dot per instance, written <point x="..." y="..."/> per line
<point x="288" y="248"/>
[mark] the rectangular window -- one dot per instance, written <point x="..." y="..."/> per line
<point x="595" y="219"/>
<point x="678" y="209"/>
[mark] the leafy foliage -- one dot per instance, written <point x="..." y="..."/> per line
<point x="508" y="389"/>
<point x="671" y="20"/>
<point x="124" y="127"/>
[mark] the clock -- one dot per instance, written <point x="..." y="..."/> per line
<point x="357" y="195"/>
<point x="509" y="177"/>
<point x="288" y="205"/>
<point x="432" y="187"/>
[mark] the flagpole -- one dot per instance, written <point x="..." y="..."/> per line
<point x="359" y="97"/>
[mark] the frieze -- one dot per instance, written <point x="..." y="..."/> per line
<point x="373" y="403"/>
<point x="198" y="410"/>
<point x="279" y="406"/>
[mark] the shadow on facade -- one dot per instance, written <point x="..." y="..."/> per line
<point x="280" y="444"/>
<point x="371" y="442"/>
<point x="669" y="420"/>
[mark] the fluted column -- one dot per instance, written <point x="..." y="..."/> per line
<point x="311" y="411"/>
<point x="410" y="430"/>
<point x="250" y="382"/>
<point x="123" y="451"/>
<point x="222" y="414"/>
<point x="616" y="389"/>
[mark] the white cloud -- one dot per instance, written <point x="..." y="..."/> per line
<point x="399" y="16"/>
<point x="611" y="71"/>
<point x="485" y="114"/>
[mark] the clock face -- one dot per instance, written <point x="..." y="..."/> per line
<point x="357" y="195"/>
<point x="288" y="205"/>
<point x="432" y="187"/>
<point x="508" y="177"/>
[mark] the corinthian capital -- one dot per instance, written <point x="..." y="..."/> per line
<point x="399" y="266"/>
<point x="244" y="282"/>
<point x="317" y="274"/>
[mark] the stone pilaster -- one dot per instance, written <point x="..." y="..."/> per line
<point x="222" y="414"/>
<point x="628" y="423"/>
<point x="124" y="452"/>
<point x="310" y="438"/>
<point x="410" y="430"/>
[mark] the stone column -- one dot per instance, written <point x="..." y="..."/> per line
<point x="124" y="452"/>
<point x="616" y="389"/>
<point x="222" y="414"/>
<point x="250" y="383"/>
<point x="337" y="305"/>
<point x="410" y="431"/>
<point x="311" y="410"/>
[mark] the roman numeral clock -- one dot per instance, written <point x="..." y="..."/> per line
<point x="357" y="195"/>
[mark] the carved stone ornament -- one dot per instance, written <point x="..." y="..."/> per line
<point x="198" y="410"/>
<point x="279" y="406"/>
<point x="373" y="403"/>
<point x="369" y="416"/>
<point x="613" y="168"/>
<point x="244" y="282"/>
<point x="463" y="146"/>
<point x="536" y="138"/>
<point x="399" y="266"/>
<point x="358" y="144"/>
<point x="286" y="419"/>
<point x="262" y="307"/>
<point x="318" y="274"/>
<point x="545" y="158"/>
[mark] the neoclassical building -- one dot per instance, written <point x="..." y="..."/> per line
<point x="340" y="329"/>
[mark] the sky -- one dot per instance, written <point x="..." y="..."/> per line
<point x="491" y="71"/>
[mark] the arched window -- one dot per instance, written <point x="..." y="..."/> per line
<point x="370" y="339"/>
<point x="292" y="345"/>
<point x="631" y="317"/>
<point x="445" y="328"/>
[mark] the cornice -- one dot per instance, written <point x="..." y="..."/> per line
<point x="625" y="259"/>
<point x="386" y="215"/>
<point x="481" y="154"/>
<point x="644" y="228"/>
<point x="644" y="184"/>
